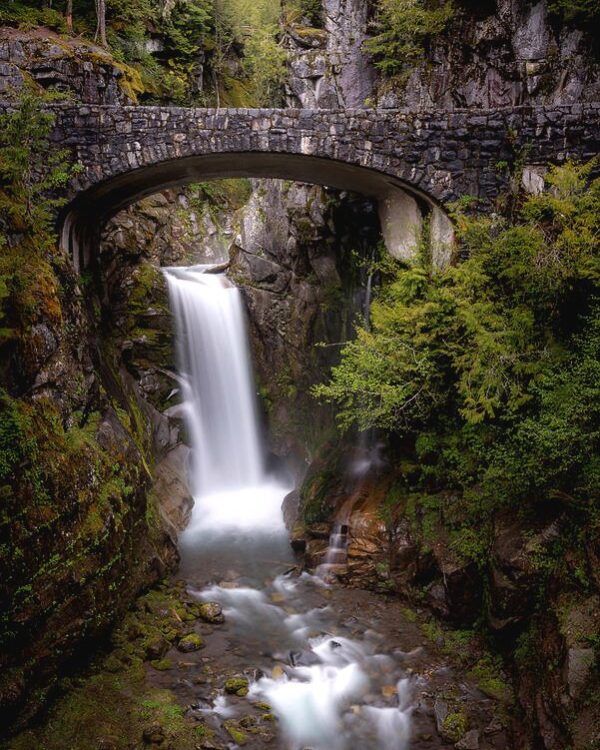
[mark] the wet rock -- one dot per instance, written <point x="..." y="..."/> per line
<point x="171" y="490"/>
<point x="469" y="742"/>
<point x="191" y="642"/>
<point x="494" y="727"/>
<point x="156" y="647"/>
<point x="208" y="743"/>
<point x="436" y="599"/>
<point x="580" y="664"/>
<point x="154" y="734"/>
<point x="440" y="712"/>
<point x="290" y="507"/>
<point x="211" y="612"/>
<point x="314" y="552"/>
<point x="303" y="658"/>
<point x="236" y="686"/>
<point x="237" y="735"/>
<point x="319" y="531"/>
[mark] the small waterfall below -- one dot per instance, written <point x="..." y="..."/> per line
<point x="336" y="555"/>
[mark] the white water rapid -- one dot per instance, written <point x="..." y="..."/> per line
<point x="327" y="683"/>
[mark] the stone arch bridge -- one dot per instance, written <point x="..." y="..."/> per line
<point x="412" y="162"/>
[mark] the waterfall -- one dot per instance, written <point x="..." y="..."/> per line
<point x="329" y="694"/>
<point x="219" y="399"/>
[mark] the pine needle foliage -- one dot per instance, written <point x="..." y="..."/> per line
<point x="492" y="368"/>
<point x="576" y="12"/>
<point x="402" y="29"/>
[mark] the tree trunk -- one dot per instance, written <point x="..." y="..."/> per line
<point x="69" y="16"/>
<point x="101" y="22"/>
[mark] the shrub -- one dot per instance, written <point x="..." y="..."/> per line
<point x="491" y="370"/>
<point x="403" y="28"/>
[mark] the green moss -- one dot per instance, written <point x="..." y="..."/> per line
<point x="234" y="731"/>
<point x="232" y="194"/>
<point x="237" y="686"/>
<point x="191" y="642"/>
<point x="118" y="706"/>
<point x="310" y="33"/>
<point x="319" y="487"/>
<point x="433" y="631"/>
<point x="490" y="679"/>
<point x="454" y="726"/>
<point x="162" y="665"/>
<point x="204" y="732"/>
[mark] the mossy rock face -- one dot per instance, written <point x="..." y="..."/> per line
<point x="237" y="686"/>
<point x="191" y="642"/>
<point x="211" y="612"/>
<point x="454" y="726"/>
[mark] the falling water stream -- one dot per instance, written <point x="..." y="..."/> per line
<point x="328" y="680"/>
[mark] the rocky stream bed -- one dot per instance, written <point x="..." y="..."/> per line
<point x="181" y="675"/>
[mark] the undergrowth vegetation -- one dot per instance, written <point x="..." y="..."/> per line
<point x="490" y="370"/>
<point x="207" y="52"/>
<point x="402" y="29"/>
<point x="29" y="176"/>
<point x="576" y="12"/>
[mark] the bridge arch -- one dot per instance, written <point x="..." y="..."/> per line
<point x="412" y="162"/>
<point x="402" y="207"/>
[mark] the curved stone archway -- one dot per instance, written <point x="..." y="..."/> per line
<point x="402" y="207"/>
<point x="412" y="163"/>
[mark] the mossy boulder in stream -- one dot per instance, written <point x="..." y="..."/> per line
<point x="190" y="642"/>
<point x="211" y="612"/>
<point x="237" y="686"/>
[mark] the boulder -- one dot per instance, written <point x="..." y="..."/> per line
<point x="190" y="642"/>
<point x="211" y="612"/>
<point x="579" y="667"/>
<point x="171" y="490"/>
<point x="154" y="734"/>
